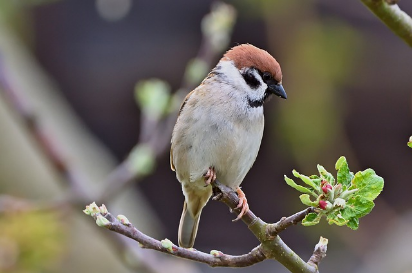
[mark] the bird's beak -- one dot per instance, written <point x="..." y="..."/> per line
<point x="278" y="90"/>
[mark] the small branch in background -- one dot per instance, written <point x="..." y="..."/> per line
<point x="271" y="247"/>
<point x="393" y="17"/>
<point x="12" y="204"/>
<point x="29" y="117"/>
<point x="44" y="138"/>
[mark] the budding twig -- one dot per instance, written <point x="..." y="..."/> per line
<point x="214" y="259"/>
<point x="271" y="247"/>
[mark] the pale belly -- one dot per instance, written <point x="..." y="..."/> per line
<point x="230" y="149"/>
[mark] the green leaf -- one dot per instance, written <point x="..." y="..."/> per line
<point x="297" y="187"/>
<point x="305" y="199"/>
<point x="353" y="223"/>
<point x="410" y="142"/>
<point x="316" y="179"/>
<point x="311" y="219"/>
<point x="337" y="219"/>
<point x="351" y="196"/>
<point x="307" y="180"/>
<point x="357" y="207"/>
<point x="326" y="175"/>
<point x="344" y="175"/>
<point x="369" y="184"/>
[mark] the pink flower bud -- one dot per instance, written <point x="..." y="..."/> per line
<point x="322" y="204"/>
<point x="326" y="187"/>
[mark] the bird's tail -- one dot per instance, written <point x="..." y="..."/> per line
<point x="188" y="227"/>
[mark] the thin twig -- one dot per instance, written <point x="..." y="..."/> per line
<point x="396" y="19"/>
<point x="285" y="222"/>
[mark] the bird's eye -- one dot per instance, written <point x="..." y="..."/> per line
<point x="266" y="76"/>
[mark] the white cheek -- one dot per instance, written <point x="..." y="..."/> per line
<point x="258" y="93"/>
<point x="236" y="79"/>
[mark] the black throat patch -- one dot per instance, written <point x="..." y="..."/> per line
<point x="258" y="103"/>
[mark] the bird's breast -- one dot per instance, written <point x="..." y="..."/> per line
<point x="230" y="144"/>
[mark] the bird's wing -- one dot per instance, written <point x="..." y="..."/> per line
<point x="180" y="111"/>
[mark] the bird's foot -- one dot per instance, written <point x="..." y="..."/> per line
<point x="210" y="176"/>
<point x="242" y="204"/>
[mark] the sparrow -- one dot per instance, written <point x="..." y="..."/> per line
<point x="219" y="130"/>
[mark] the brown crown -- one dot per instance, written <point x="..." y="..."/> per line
<point x="247" y="55"/>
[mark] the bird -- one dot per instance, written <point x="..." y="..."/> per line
<point x="219" y="130"/>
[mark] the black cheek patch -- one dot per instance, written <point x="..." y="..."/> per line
<point x="251" y="80"/>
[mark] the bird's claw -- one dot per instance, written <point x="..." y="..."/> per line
<point x="242" y="204"/>
<point x="210" y="176"/>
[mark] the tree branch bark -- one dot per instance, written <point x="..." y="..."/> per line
<point x="218" y="259"/>
<point x="393" y="17"/>
<point x="271" y="247"/>
<point x="285" y="222"/>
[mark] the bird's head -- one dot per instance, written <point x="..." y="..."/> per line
<point x="259" y="71"/>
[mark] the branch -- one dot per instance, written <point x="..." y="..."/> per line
<point x="214" y="259"/>
<point x="393" y="17"/>
<point x="274" y="229"/>
<point x="319" y="253"/>
<point x="271" y="247"/>
<point x="33" y="124"/>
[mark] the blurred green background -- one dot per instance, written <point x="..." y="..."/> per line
<point x="75" y="64"/>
